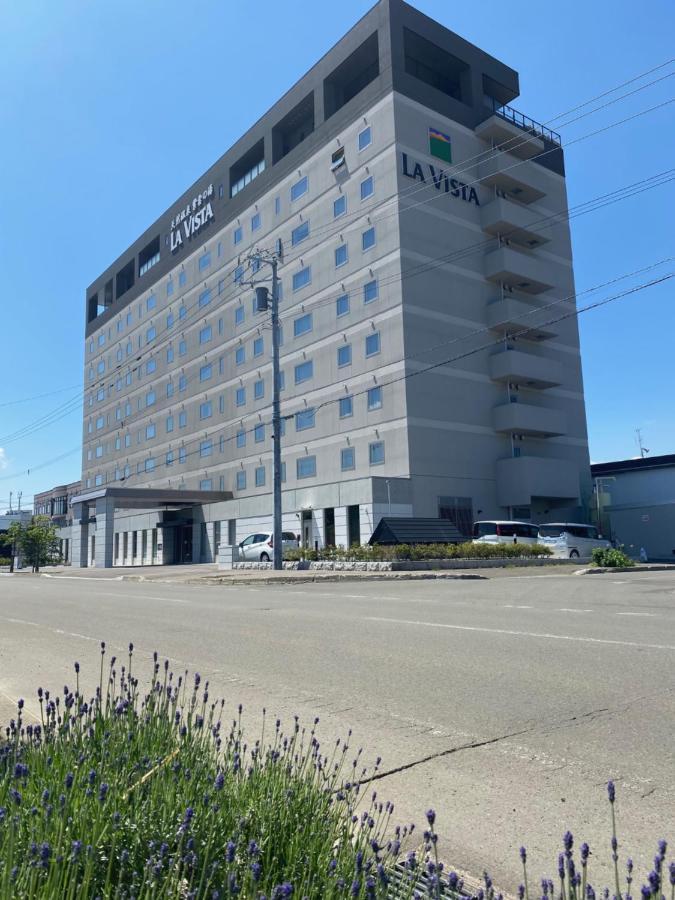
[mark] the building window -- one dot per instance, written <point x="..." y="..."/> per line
<point x="258" y="346"/>
<point x="149" y="465"/>
<point x="259" y="433"/>
<point x="150" y="366"/>
<point x="240" y="355"/>
<point x="374" y="396"/>
<point x="239" y="315"/>
<point x="205" y="298"/>
<point x="169" y="424"/>
<point x="300" y="233"/>
<point x="368" y="239"/>
<point x="219" y="250"/>
<point x="304" y="419"/>
<point x="149" y="431"/>
<point x="205" y="335"/>
<point x="373" y="344"/>
<point x="169" y="288"/>
<point x="182" y="419"/>
<point x="367" y="187"/>
<point x="150" y="398"/>
<point x="182" y="382"/>
<point x="344" y="355"/>
<point x="205" y="410"/>
<point x="346" y="406"/>
<point x="182" y="278"/>
<point x="206" y="448"/>
<point x="204" y="260"/>
<point x="182" y="312"/>
<point x="258" y="390"/>
<point x="306" y="467"/>
<point x="302" y="325"/>
<point x="182" y="454"/>
<point x="206" y="484"/>
<point x="342" y="305"/>
<point x="241" y="438"/>
<point x="341" y="255"/>
<point x="277" y="206"/>
<point x="370" y="291"/>
<point x="365" y="138"/>
<point x="169" y="458"/>
<point x="151" y="302"/>
<point x="347" y="459"/>
<point x="205" y="372"/>
<point x="260" y="476"/>
<point x="376" y="453"/>
<point x="238" y="274"/>
<point x="299" y="189"/>
<point x="302" y="278"/>
<point x="237" y="235"/>
<point x="182" y="347"/>
<point x="304" y="371"/>
<point x="240" y="396"/>
<point x="169" y="354"/>
<point x="241" y="481"/>
<point x="339" y="206"/>
<point x="169" y="320"/>
<point x="255" y="221"/>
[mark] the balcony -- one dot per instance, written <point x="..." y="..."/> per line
<point x="516" y="222"/>
<point x="534" y="421"/>
<point x="527" y="183"/>
<point x="523" y="136"/>
<point x="525" y="369"/>
<point x="511" y="316"/>
<point x="521" y="479"/>
<point x="518" y="270"/>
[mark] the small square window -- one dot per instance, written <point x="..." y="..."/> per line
<point x="169" y="424"/>
<point x="304" y="419"/>
<point x="302" y="325"/>
<point x="306" y="467"/>
<point x="339" y="206"/>
<point x="299" y="188"/>
<point x="240" y="355"/>
<point x="300" y="233"/>
<point x="259" y="390"/>
<point x="258" y="346"/>
<point x="182" y="278"/>
<point x="239" y="315"/>
<point x="367" y="187"/>
<point x="205" y="448"/>
<point x="255" y="221"/>
<point x="205" y="372"/>
<point x="347" y="459"/>
<point x="373" y="344"/>
<point x="150" y="366"/>
<point x="205" y="410"/>
<point x="344" y="355"/>
<point x="150" y="432"/>
<point x="240" y="396"/>
<point x="260" y="476"/>
<point x="205" y="335"/>
<point x="169" y="389"/>
<point x="182" y="419"/>
<point x="302" y="278"/>
<point x="374" y="398"/>
<point x="204" y="260"/>
<point x="241" y="481"/>
<point x="206" y="484"/>
<point x="277" y="206"/>
<point x="205" y="298"/>
<point x="346" y="407"/>
<point x="376" y="453"/>
<point x="365" y="138"/>
<point x="182" y="454"/>
<point x="368" y="239"/>
<point x="342" y="305"/>
<point x="341" y="255"/>
<point x="150" y="303"/>
<point x="237" y="235"/>
<point x="182" y="347"/>
<point x="304" y="371"/>
<point x="259" y="433"/>
<point x="241" y="438"/>
<point x="169" y="288"/>
<point x="370" y="291"/>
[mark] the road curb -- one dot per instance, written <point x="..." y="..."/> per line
<point x="315" y="578"/>
<point x="609" y="570"/>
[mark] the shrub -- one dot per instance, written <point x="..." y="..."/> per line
<point x="5" y="561"/>
<point x="379" y="553"/>
<point x="610" y="557"/>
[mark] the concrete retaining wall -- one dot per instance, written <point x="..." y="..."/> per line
<point x="406" y="565"/>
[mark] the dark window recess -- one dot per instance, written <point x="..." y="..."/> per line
<point x="247" y="167"/>
<point x="148" y="256"/>
<point x="92" y="307"/>
<point x="495" y="94"/>
<point x="436" y="67"/>
<point x="108" y="293"/>
<point x="353" y="525"/>
<point x="459" y="511"/>
<point x="124" y="280"/>
<point x="292" y="130"/>
<point x="351" y="76"/>
<point x="337" y="159"/>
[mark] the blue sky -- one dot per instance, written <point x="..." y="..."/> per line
<point x="108" y="111"/>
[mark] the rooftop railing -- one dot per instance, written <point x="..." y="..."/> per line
<point x="524" y="122"/>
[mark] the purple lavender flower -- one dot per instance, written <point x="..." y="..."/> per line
<point x="355" y="888"/>
<point x="521" y="891"/>
<point x="102" y="792"/>
<point x="219" y="782"/>
<point x="431" y="817"/>
<point x="585" y="853"/>
<point x="655" y="881"/>
<point x="663" y="846"/>
<point x="230" y="849"/>
<point x="69" y="780"/>
<point x="611" y="791"/>
<point x="568" y="842"/>
<point x="523" y="855"/>
<point x="672" y="873"/>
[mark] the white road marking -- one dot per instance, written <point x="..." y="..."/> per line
<point x="514" y="606"/>
<point x="82" y="577"/>
<point x="533" y="634"/>
<point x="635" y="614"/>
<point x="571" y="609"/>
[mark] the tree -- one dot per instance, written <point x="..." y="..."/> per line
<point x="37" y="542"/>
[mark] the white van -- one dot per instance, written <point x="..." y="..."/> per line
<point x="570" y="540"/>
<point x="497" y="532"/>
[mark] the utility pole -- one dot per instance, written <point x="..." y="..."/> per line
<point x="266" y="301"/>
<point x="643" y="450"/>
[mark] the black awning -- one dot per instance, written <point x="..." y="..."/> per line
<point x="394" y="530"/>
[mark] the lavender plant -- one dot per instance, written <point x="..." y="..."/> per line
<point x="132" y="794"/>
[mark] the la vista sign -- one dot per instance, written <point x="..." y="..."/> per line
<point x="442" y="181"/>
<point x="191" y="219"/>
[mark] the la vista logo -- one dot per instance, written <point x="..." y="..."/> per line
<point x="427" y="173"/>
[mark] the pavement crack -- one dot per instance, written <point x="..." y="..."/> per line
<point x="474" y="745"/>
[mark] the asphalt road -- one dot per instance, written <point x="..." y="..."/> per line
<point x="506" y="704"/>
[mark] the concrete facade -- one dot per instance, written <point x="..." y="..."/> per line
<point x="417" y="321"/>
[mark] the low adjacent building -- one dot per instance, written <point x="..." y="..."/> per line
<point x="635" y="504"/>
<point x="57" y="504"/>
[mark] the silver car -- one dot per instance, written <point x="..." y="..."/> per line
<point x="260" y="547"/>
